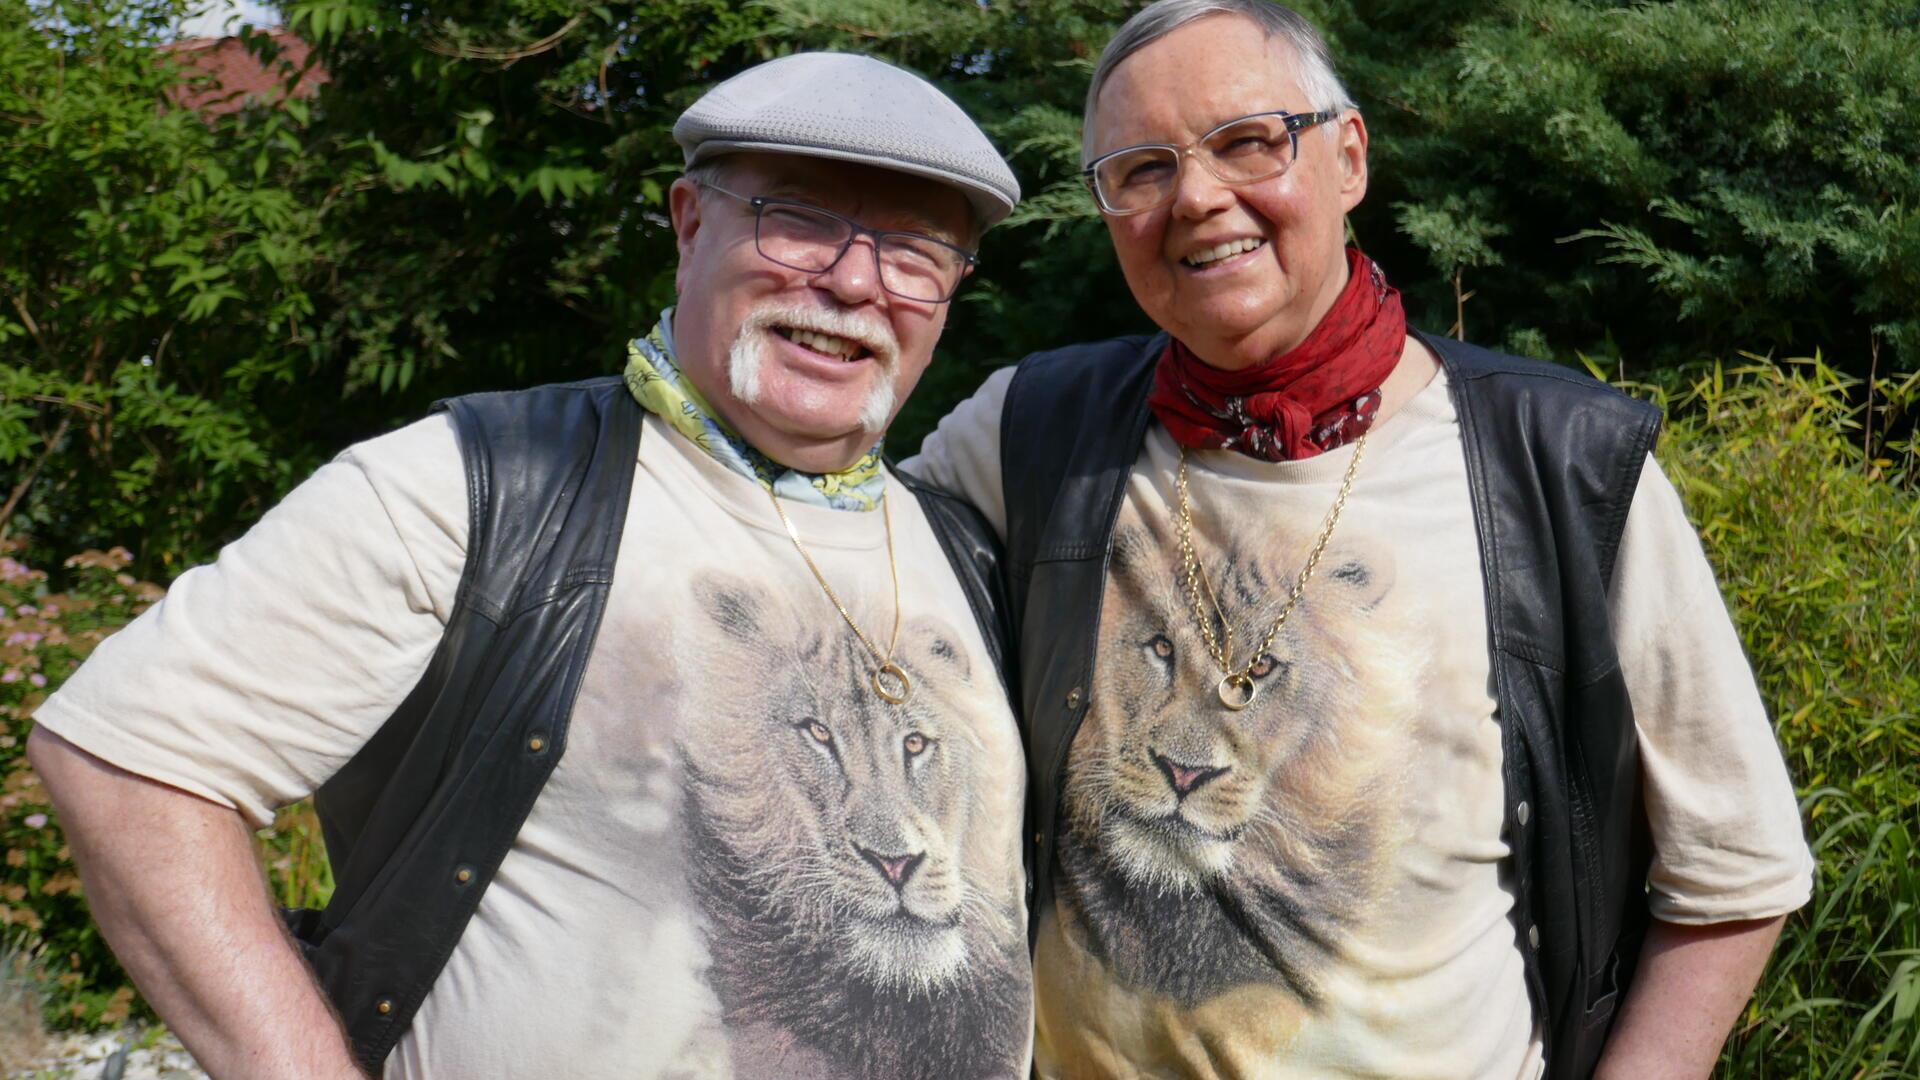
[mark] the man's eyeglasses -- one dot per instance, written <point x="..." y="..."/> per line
<point x="1136" y="179"/>
<point x="803" y="237"/>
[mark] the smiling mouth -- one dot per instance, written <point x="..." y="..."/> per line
<point x="830" y="346"/>
<point x="1206" y="257"/>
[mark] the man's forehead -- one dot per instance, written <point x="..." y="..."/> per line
<point x="868" y="194"/>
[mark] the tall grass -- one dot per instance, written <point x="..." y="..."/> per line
<point x="1815" y="533"/>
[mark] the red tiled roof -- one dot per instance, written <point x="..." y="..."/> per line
<point x="238" y="78"/>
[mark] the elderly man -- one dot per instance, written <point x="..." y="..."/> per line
<point x="652" y="732"/>
<point x="1377" y="690"/>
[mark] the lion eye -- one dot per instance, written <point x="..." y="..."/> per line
<point x="915" y="743"/>
<point x="1263" y="666"/>
<point x="1161" y="647"/>
<point x="819" y="732"/>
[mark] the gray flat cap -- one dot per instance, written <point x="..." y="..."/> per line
<point x="853" y="108"/>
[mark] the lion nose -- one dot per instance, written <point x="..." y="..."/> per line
<point x="895" y="868"/>
<point x="1185" y="778"/>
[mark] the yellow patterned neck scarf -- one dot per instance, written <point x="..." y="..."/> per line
<point x="659" y="386"/>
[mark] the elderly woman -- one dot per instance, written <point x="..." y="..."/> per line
<point x="1383" y="716"/>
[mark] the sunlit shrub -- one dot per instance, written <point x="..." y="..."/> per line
<point x="1817" y="547"/>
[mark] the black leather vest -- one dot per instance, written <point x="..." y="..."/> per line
<point x="1553" y="458"/>
<point x="418" y="822"/>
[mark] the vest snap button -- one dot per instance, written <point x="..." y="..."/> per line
<point x="463" y="875"/>
<point x="1073" y="698"/>
<point x="536" y="744"/>
<point x="1037" y="837"/>
<point x="383" y="1006"/>
<point x="1521" y="813"/>
<point x="1533" y="936"/>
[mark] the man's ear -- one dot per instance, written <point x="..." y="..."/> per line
<point x="1352" y="152"/>
<point x="683" y="204"/>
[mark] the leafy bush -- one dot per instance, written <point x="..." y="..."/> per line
<point x="43" y="638"/>
<point x="1673" y="175"/>
<point x="1816" y="548"/>
<point x="153" y="381"/>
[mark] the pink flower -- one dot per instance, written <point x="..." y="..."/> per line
<point x="10" y="675"/>
<point x="22" y="637"/>
<point x="36" y="821"/>
<point x="25" y="609"/>
<point x="37" y="679"/>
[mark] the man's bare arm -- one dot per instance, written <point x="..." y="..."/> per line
<point x="174" y="884"/>
<point x="1691" y="985"/>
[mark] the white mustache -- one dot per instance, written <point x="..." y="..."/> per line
<point x="876" y="337"/>
<point x="744" y="356"/>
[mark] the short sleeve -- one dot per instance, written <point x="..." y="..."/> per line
<point x="962" y="454"/>
<point x="1728" y="843"/>
<point x="262" y="673"/>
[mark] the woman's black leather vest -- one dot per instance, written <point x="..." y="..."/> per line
<point x="418" y="822"/>
<point x="1553" y="458"/>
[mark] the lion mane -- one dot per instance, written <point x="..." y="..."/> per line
<point x="1206" y="849"/>
<point x="853" y="899"/>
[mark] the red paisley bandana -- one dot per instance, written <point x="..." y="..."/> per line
<point x="1322" y="393"/>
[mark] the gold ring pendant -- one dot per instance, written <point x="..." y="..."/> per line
<point x="1236" y="691"/>
<point x="892" y="683"/>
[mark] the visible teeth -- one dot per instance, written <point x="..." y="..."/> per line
<point x="1215" y="254"/>
<point x="832" y="346"/>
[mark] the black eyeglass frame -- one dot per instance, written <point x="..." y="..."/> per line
<point x="1295" y="123"/>
<point x="759" y="203"/>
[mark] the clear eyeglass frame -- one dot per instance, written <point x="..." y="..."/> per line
<point x="913" y="253"/>
<point x="1292" y="123"/>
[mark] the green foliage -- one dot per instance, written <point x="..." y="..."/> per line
<point x="1815" y="548"/>
<point x="1651" y="180"/>
<point x="149" y="291"/>
<point x="196" y="312"/>
<point x="1675" y="175"/>
<point x="44" y="635"/>
<point x="495" y="176"/>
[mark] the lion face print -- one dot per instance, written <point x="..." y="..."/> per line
<point x="857" y="904"/>
<point x="1207" y="849"/>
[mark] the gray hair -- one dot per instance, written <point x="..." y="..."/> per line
<point x="1325" y="92"/>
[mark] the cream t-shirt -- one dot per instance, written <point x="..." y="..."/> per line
<point x="745" y="865"/>
<point x="1313" y="887"/>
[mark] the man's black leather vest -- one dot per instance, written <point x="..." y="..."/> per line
<point x="417" y="823"/>
<point x="1553" y="458"/>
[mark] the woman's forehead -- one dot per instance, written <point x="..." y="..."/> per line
<point x="1191" y="81"/>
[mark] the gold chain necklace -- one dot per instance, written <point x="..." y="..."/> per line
<point x="1236" y="688"/>
<point x="887" y="680"/>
